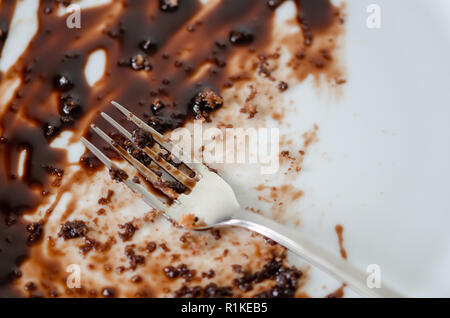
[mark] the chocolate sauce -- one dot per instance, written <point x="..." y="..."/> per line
<point x="340" y="231"/>
<point x="154" y="55"/>
<point x="6" y="13"/>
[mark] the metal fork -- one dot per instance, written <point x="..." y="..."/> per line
<point x="213" y="201"/>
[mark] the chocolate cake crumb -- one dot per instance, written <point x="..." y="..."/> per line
<point x="63" y="83"/>
<point x="136" y="279"/>
<point x="164" y="247"/>
<point x="263" y="67"/>
<point x="142" y="138"/>
<point x="185" y="272"/>
<point x="30" y="286"/>
<point x="181" y="271"/>
<point x="285" y="278"/>
<point x="168" y="5"/>
<point x="188" y="292"/>
<point x="249" y="109"/>
<point x="35" y="231"/>
<point x="286" y="284"/>
<point x="300" y="55"/>
<point x="51" y="129"/>
<point x="170" y="159"/>
<point x="134" y="259"/>
<point x="89" y="245"/>
<point x="139" y="155"/>
<point x="209" y="274"/>
<point x="213" y="291"/>
<point x="216" y="234"/>
<point x="118" y="175"/>
<point x="282" y="86"/>
<point x="151" y="247"/>
<point x="107" y="199"/>
<point x="177" y="186"/>
<point x="70" y="109"/>
<point x="58" y="172"/>
<point x="237" y="268"/>
<point x="241" y="37"/>
<point x="209" y="291"/>
<point x="140" y="62"/>
<point x="171" y="272"/>
<point x="326" y="54"/>
<point x="157" y="105"/>
<point x="90" y="162"/>
<point x="270" y="241"/>
<point x="108" y="292"/>
<point x="205" y="102"/>
<point x="73" y="229"/>
<point x="136" y="180"/>
<point x="53" y="293"/>
<point x="129" y="230"/>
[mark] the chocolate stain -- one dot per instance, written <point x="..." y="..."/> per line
<point x="338" y="293"/>
<point x="340" y="231"/>
<point x="151" y="54"/>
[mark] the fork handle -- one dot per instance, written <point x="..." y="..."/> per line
<point x="314" y="254"/>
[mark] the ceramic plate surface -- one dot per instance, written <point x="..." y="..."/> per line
<point x="381" y="167"/>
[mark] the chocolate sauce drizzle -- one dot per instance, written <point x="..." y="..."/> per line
<point x="170" y="55"/>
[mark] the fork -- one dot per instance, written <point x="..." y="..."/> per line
<point x="212" y="201"/>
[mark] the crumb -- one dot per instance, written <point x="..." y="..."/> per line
<point x="168" y="5"/>
<point x="211" y="290"/>
<point x="136" y="180"/>
<point x="181" y="271"/>
<point x="136" y="279"/>
<point x="216" y="234"/>
<point x="157" y="105"/>
<point x="164" y="247"/>
<point x="108" y="292"/>
<point x="249" y="109"/>
<point x="107" y="199"/>
<point x="241" y="37"/>
<point x="35" y="231"/>
<point x="129" y="230"/>
<point x="205" y="102"/>
<point x="282" y="86"/>
<point x="118" y="175"/>
<point x="142" y="138"/>
<point x="89" y="245"/>
<point x="134" y="259"/>
<point x="73" y="229"/>
<point x="151" y="247"/>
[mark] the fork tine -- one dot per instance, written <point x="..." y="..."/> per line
<point x="194" y="165"/>
<point x="100" y="155"/>
<point x="174" y="172"/>
<point x="147" y="173"/>
<point x="149" y="198"/>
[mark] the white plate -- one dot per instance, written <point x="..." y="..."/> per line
<point x="386" y="173"/>
<point x="381" y="167"/>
